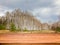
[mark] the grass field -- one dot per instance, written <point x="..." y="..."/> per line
<point x="32" y="31"/>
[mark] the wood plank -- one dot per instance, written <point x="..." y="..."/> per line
<point x="29" y="38"/>
<point x="30" y="44"/>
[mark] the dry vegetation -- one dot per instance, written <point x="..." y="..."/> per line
<point x="24" y="22"/>
<point x="36" y="31"/>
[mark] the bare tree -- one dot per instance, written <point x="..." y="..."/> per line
<point x="22" y="19"/>
<point x="8" y="17"/>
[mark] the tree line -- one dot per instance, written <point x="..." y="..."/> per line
<point x="18" y="19"/>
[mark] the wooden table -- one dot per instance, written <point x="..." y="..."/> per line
<point x="29" y="38"/>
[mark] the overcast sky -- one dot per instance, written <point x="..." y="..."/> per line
<point x="44" y="10"/>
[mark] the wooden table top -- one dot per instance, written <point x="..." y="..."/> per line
<point x="29" y="38"/>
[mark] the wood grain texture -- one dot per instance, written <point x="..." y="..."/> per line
<point x="29" y="38"/>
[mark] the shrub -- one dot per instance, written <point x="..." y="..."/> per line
<point x="25" y="30"/>
<point x="57" y="29"/>
<point x="2" y="27"/>
<point x="12" y="27"/>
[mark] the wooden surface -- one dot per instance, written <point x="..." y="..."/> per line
<point x="29" y="38"/>
<point x="30" y="44"/>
